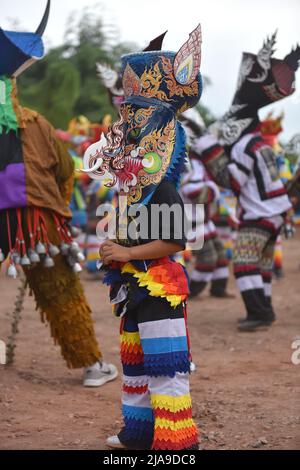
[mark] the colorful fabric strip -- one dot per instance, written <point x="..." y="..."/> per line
<point x="164" y="345"/>
<point x="138" y="413"/>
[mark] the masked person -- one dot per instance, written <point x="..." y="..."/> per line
<point x="237" y="156"/>
<point x="36" y="181"/>
<point x="145" y="154"/>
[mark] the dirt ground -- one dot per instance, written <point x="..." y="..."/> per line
<point x="245" y="390"/>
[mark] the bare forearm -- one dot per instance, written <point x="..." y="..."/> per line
<point x="154" y="250"/>
<point x="110" y="251"/>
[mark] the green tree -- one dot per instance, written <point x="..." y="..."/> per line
<point x="65" y="84"/>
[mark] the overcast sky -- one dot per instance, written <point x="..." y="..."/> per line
<point x="229" y="27"/>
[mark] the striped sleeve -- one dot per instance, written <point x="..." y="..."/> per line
<point x="215" y="159"/>
<point x="240" y="167"/>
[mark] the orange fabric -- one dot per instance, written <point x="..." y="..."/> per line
<point x="180" y="439"/>
<point x="48" y="166"/>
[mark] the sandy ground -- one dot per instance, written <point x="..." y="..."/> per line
<point x="245" y="391"/>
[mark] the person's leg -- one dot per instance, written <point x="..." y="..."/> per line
<point x="164" y="342"/>
<point x="250" y="244"/>
<point x="266" y="266"/>
<point x="137" y="432"/>
<point x="221" y="272"/>
<point x="205" y="264"/>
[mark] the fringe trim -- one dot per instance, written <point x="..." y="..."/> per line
<point x="61" y="302"/>
<point x="173" y="404"/>
<point x="137" y="414"/>
<point x="167" y="364"/>
<point x="139" y="390"/>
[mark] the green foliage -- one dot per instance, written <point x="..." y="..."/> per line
<point x="65" y="83"/>
<point x="206" y="114"/>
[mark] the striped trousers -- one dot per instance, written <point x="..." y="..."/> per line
<point x="253" y="263"/>
<point x="156" y="402"/>
<point x="211" y="266"/>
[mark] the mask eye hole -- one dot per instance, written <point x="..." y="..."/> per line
<point x="133" y="135"/>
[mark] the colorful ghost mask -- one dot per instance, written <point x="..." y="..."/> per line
<point x="262" y="80"/>
<point x="112" y="79"/>
<point x="147" y="144"/>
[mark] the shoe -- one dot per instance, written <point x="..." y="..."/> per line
<point x="278" y="273"/>
<point x="244" y="319"/>
<point x="98" y="374"/>
<point x="223" y="295"/>
<point x="114" y="443"/>
<point x="253" y="325"/>
<point x="192" y="367"/>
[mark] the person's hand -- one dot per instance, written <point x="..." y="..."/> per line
<point x="110" y="251"/>
<point x="288" y="230"/>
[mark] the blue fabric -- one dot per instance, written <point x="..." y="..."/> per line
<point x="139" y="413"/>
<point x="168" y="364"/>
<point x="179" y="157"/>
<point x="130" y="326"/>
<point x="79" y="217"/>
<point x="112" y="276"/>
<point x="18" y="48"/>
<point x="133" y="370"/>
<point x="137" y="434"/>
<point x="164" y="345"/>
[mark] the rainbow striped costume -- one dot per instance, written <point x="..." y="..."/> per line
<point x="156" y="402"/>
<point x="145" y="154"/>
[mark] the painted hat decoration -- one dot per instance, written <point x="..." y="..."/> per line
<point x="262" y="80"/>
<point x="112" y="80"/>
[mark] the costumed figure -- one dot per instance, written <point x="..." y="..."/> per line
<point x="270" y="129"/>
<point x="144" y="153"/>
<point x="225" y="220"/>
<point x="292" y="154"/>
<point x="238" y="157"/>
<point x="36" y="181"/>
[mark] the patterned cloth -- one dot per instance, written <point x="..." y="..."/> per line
<point x="253" y="175"/>
<point x="251" y="172"/>
<point x="156" y="402"/>
<point x="253" y="262"/>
